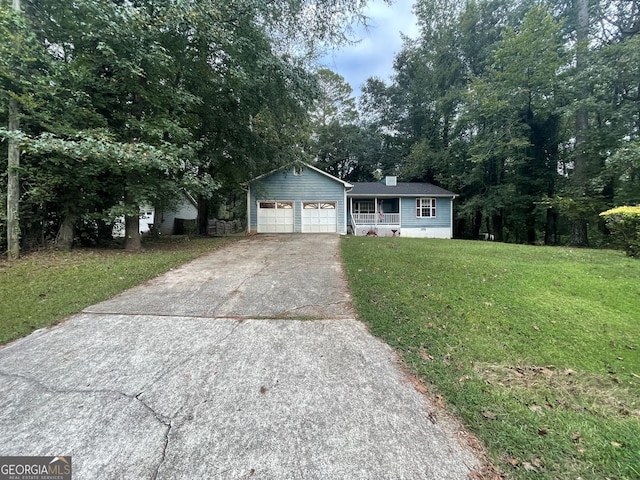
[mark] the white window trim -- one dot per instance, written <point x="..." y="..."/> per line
<point x="357" y="206"/>
<point x="432" y="206"/>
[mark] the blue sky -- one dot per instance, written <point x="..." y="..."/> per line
<point x="373" y="55"/>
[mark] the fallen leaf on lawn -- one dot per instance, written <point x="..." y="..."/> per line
<point x="489" y="415"/>
<point x="425" y="355"/>
<point x="535" y="327"/>
<point x="535" y="408"/>
<point x="537" y="462"/>
<point x="616" y="444"/>
<point x="488" y="304"/>
<point x="576" y="437"/>
<point x="462" y="379"/>
<point x="542" y="431"/>
<point x="580" y="450"/>
<point x="513" y="461"/>
<point x="528" y="467"/>
<point x="545" y="371"/>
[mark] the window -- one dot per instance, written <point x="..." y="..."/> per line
<point x="319" y="206"/>
<point x="278" y="205"/>
<point x="425" y="207"/>
<point x="366" y="206"/>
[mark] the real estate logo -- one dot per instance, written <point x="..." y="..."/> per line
<point x="35" y="468"/>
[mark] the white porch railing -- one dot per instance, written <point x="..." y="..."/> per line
<point x="376" y="218"/>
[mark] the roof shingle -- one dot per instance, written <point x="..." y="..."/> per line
<point x="401" y="189"/>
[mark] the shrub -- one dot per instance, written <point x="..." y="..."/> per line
<point x="624" y="225"/>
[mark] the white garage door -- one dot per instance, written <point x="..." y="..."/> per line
<point x="319" y="217"/>
<point x="275" y="217"/>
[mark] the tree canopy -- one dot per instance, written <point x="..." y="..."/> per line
<point x="529" y="110"/>
<point x="126" y="103"/>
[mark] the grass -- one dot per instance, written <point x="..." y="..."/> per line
<point x="535" y="349"/>
<point x="42" y="288"/>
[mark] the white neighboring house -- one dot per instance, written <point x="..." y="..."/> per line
<point x="147" y="216"/>
<point x="185" y="209"/>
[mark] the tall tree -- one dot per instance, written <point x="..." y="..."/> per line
<point x="337" y="140"/>
<point x="579" y="233"/>
<point x="517" y="110"/>
<point x="13" y="160"/>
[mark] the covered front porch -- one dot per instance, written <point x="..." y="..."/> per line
<point x="374" y="216"/>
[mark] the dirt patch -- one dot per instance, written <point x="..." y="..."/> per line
<point x="548" y="388"/>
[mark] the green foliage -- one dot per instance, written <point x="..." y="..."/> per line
<point x="484" y="102"/>
<point x="125" y="103"/>
<point x="624" y="223"/>
<point x="535" y="349"/>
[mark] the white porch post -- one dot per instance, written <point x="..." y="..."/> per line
<point x="375" y="209"/>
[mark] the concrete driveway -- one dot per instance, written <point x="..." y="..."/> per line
<point x="246" y="363"/>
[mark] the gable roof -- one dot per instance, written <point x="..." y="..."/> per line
<point x="401" y="189"/>
<point x="305" y="165"/>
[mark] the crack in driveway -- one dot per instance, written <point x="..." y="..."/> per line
<point x="341" y="404"/>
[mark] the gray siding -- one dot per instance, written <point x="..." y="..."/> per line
<point x="410" y="220"/>
<point x="310" y="186"/>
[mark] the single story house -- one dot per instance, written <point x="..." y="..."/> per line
<point x="301" y="198"/>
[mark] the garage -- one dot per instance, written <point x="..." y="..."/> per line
<point x="319" y="217"/>
<point x="296" y="198"/>
<point x="275" y="217"/>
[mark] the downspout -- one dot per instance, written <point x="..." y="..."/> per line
<point x="346" y="227"/>
<point x="247" y="188"/>
<point x="451" y="219"/>
<point x="353" y="220"/>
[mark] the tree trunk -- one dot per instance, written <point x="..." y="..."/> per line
<point x="579" y="231"/>
<point x="477" y="224"/>
<point x="203" y="216"/>
<point x="66" y="233"/>
<point x="498" y="226"/>
<point x="132" y="238"/>
<point x="550" y="228"/>
<point x="13" y="187"/>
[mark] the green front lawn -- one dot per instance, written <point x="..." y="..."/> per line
<point x="43" y="288"/>
<point x="535" y="349"/>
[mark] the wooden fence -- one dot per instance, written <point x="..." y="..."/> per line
<point x="225" y="227"/>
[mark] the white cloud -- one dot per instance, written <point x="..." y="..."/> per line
<point x="374" y="54"/>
